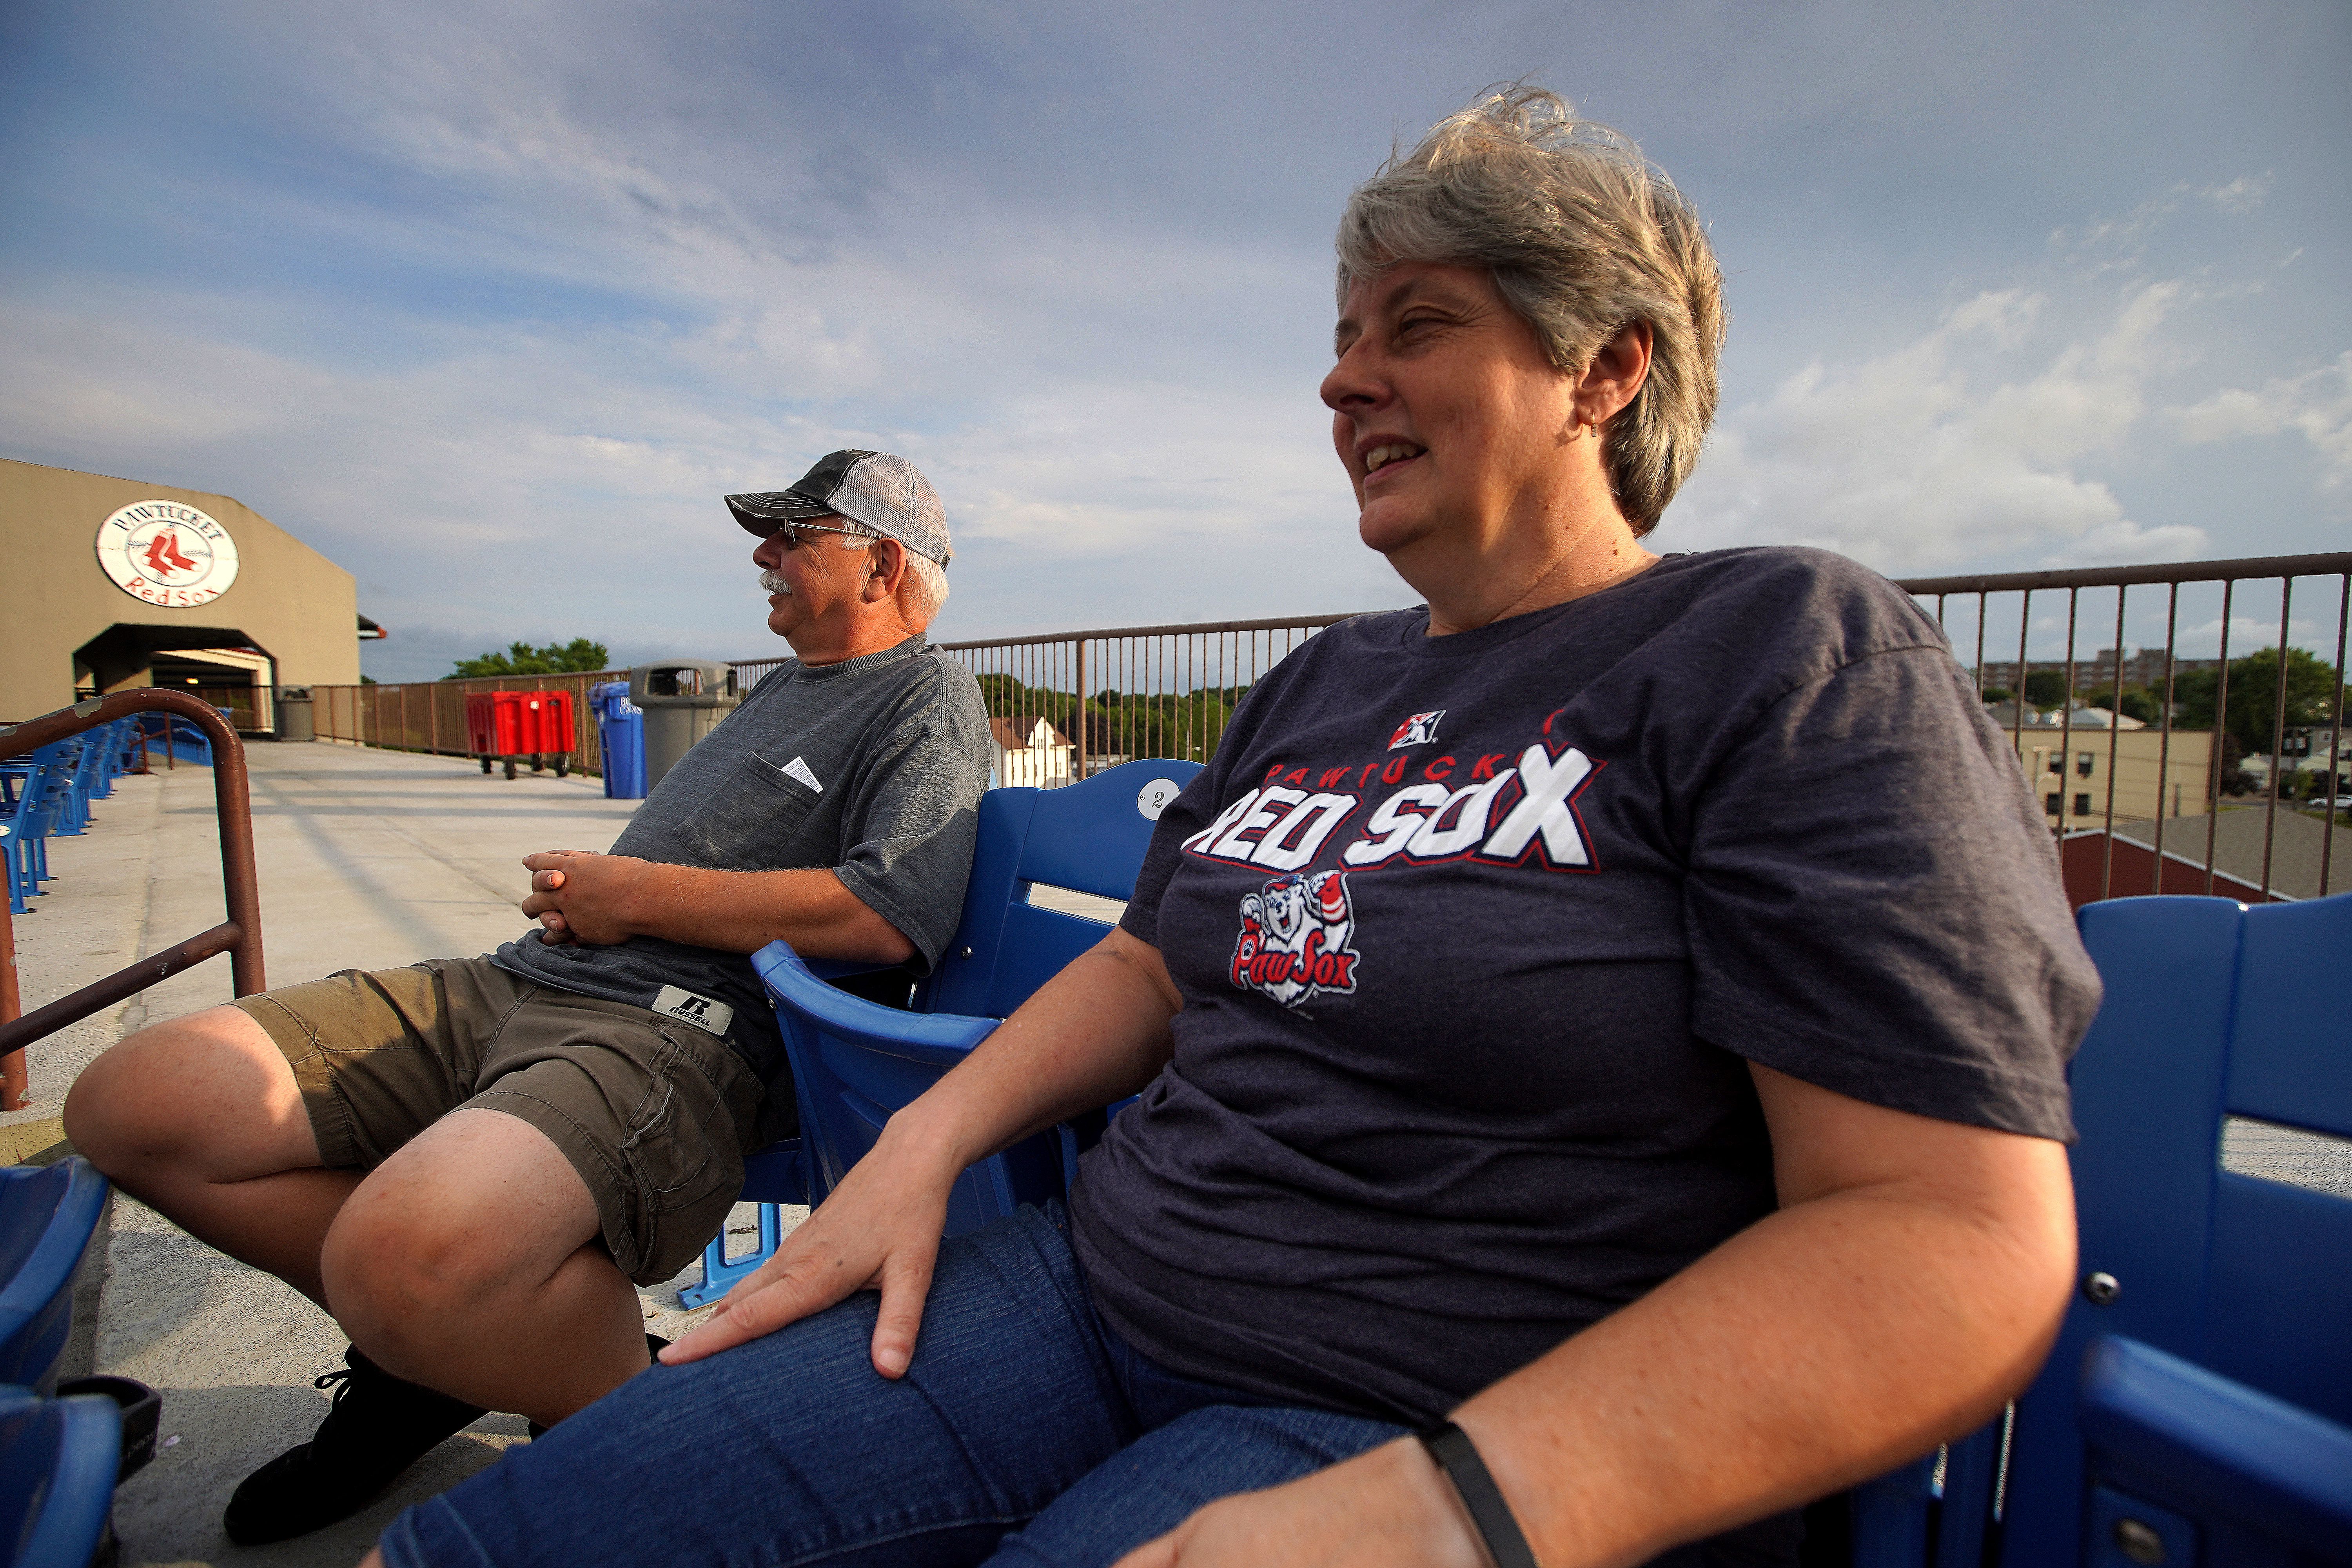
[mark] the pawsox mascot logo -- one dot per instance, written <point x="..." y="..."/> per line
<point x="1295" y="939"/>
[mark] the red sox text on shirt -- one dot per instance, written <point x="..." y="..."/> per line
<point x="1496" y="807"/>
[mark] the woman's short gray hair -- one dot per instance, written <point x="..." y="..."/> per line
<point x="1583" y="237"/>
<point x="930" y="579"/>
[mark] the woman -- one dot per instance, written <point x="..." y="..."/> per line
<point x="1618" y="1009"/>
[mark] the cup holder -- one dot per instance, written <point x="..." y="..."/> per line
<point x="142" y="1414"/>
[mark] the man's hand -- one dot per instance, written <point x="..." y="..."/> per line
<point x="1391" y="1505"/>
<point x="577" y="895"/>
<point x="879" y="1230"/>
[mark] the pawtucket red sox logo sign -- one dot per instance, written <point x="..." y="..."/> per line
<point x="1295" y="939"/>
<point x="167" y="553"/>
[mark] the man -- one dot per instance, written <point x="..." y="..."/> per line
<point x="467" y="1161"/>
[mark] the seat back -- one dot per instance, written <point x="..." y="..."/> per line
<point x="1089" y="839"/>
<point x="854" y="1062"/>
<point x="47" y="1215"/>
<point x="59" y="1458"/>
<point x="169" y="732"/>
<point x="2222" y="1041"/>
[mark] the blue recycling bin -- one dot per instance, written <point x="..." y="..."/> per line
<point x="621" y="736"/>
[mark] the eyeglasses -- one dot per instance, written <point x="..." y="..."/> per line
<point x="791" y="531"/>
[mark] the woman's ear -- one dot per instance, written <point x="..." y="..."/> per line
<point x="1614" y="377"/>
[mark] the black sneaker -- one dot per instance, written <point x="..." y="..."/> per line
<point x="655" y="1345"/>
<point x="378" y="1426"/>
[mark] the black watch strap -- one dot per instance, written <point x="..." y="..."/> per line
<point x="1458" y="1458"/>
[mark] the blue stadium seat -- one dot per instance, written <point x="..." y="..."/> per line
<point x="2198" y="1402"/>
<point x="23" y="829"/>
<point x="169" y="731"/>
<point x="59" y="1460"/>
<point x="1934" y="1511"/>
<point x="62" y="792"/>
<point x="854" y="1061"/>
<point x="47" y="1215"/>
<point x="2197" y="1410"/>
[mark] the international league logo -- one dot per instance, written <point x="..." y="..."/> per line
<point x="1418" y="731"/>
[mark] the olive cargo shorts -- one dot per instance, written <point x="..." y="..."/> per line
<point x="656" y="1116"/>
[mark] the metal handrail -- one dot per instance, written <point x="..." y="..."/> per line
<point x="1064" y="667"/>
<point x="239" y="936"/>
<point x="1208" y="629"/>
<point x="2251" y="568"/>
<point x="1175" y="684"/>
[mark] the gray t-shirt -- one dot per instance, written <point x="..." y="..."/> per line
<point x="873" y="767"/>
<point x="1477" y="935"/>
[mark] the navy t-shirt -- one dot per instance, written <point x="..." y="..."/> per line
<point x="1477" y="935"/>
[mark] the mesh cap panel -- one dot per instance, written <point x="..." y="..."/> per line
<point x="880" y="490"/>
<point x="889" y="494"/>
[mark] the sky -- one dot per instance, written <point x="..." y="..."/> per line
<point x="490" y="302"/>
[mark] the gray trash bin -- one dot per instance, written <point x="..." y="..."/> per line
<point x="683" y="700"/>
<point x="295" y="718"/>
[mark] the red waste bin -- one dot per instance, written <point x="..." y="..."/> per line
<point x="501" y="726"/>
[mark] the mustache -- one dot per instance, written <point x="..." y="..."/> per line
<point x="773" y="583"/>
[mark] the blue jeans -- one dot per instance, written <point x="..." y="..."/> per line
<point x="1023" y="1434"/>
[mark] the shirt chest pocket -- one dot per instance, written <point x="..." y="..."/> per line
<point x="762" y="816"/>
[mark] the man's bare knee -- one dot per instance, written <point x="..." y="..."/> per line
<point x="208" y="1096"/>
<point x="475" y="1217"/>
<point x="399" y="1281"/>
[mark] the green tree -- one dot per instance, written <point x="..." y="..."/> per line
<point x="1113" y="723"/>
<point x="578" y="656"/>
<point x="2045" y="687"/>
<point x="2254" y="696"/>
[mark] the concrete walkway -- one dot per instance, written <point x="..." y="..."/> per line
<point x="367" y="860"/>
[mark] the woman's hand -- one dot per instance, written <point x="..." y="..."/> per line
<point x="879" y="1230"/>
<point x="1389" y="1505"/>
<point x="1093" y="1033"/>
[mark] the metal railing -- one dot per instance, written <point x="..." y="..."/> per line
<point x="239" y="935"/>
<point x="1131" y="691"/>
<point x="1109" y="694"/>
<point x="1168" y="690"/>
<point x="1967" y="607"/>
<point x="429" y="716"/>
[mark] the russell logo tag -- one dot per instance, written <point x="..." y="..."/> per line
<point x="710" y="1017"/>
<point x="1418" y="731"/>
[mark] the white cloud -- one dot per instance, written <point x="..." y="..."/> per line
<point x="1956" y="448"/>
<point x="2120" y="243"/>
<point x="491" y="303"/>
<point x="2315" y="406"/>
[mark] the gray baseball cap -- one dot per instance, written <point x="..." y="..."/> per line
<point x="884" y="491"/>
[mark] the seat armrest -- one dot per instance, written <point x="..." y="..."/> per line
<point x="937" y="1039"/>
<point x="2208" y="1442"/>
<point x="841" y="968"/>
<point x="776" y="1174"/>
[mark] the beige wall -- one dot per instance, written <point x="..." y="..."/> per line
<point x="2142" y="789"/>
<point x="288" y="600"/>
